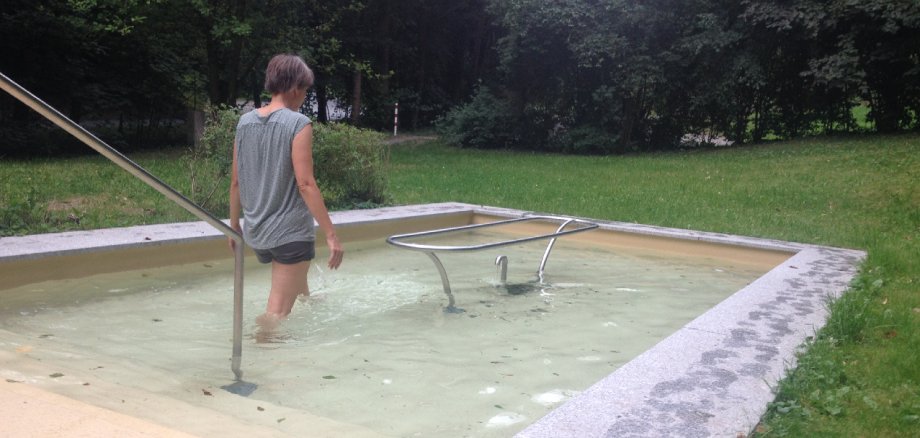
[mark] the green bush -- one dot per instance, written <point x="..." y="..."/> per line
<point x="350" y="165"/>
<point x="210" y="160"/>
<point x="586" y="140"/>
<point x="485" y="122"/>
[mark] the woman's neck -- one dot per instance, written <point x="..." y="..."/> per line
<point x="278" y="102"/>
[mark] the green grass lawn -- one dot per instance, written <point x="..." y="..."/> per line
<point x="861" y="377"/>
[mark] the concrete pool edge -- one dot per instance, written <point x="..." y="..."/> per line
<point x="713" y="377"/>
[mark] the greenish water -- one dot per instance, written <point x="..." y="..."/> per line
<point x="373" y="346"/>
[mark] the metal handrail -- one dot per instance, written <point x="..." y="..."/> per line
<point x="395" y="239"/>
<point x="113" y="155"/>
<point x="430" y="250"/>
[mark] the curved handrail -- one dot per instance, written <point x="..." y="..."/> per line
<point x="395" y="239"/>
<point x="26" y="97"/>
<point x="430" y="250"/>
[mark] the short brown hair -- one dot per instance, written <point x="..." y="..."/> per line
<point x="284" y="72"/>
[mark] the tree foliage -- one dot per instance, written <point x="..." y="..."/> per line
<point x="595" y="76"/>
<point x="618" y="75"/>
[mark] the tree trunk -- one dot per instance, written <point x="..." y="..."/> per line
<point x="256" y="90"/>
<point x="215" y="96"/>
<point x="195" y="124"/>
<point x="356" y="98"/>
<point x="322" y="103"/>
<point x="383" y="53"/>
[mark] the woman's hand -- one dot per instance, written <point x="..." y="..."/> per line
<point x="336" y="252"/>
<point x="230" y="241"/>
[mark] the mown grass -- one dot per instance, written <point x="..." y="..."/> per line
<point x="88" y="192"/>
<point x="860" y="377"/>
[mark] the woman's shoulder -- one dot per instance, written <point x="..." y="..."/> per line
<point x="293" y="115"/>
<point x="248" y="117"/>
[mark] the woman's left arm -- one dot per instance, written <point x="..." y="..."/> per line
<point x="302" y="158"/>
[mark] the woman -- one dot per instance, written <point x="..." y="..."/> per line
<point x="273" y="184"/>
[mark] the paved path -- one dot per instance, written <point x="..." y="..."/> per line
<point x="401" y="138"/>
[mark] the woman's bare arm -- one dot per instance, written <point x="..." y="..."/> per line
<point x="302" y="157"/>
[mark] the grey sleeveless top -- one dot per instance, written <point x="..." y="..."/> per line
<point x="274" y="213"/>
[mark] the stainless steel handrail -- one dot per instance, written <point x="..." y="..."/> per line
<point x="113" y="155"/>
<point x="430" y="250"/>
<point x="395" y="239"/>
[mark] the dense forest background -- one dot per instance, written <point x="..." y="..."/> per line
<point x="586" y="76"/>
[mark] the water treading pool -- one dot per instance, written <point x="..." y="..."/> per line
<point x="373" y="346"/>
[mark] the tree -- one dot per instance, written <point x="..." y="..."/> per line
<point x="77" y="55"/>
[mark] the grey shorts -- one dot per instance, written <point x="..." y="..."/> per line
<point x="287" y="254"/>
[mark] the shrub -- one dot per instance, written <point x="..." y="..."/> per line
<point x="350" y="165"/>
<point x="210" y="160"/>
<point x="586" y="140"/>
<point x="485" y="122"/>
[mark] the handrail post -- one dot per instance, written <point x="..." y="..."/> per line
<point x="444" y="282"/>
<point x="549" y="248"/>
<point x="55" y="116"/>
<point x="236" y="358"/>
<point x="502" y="262"/>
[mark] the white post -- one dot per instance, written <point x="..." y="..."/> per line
<point x="395" y="118"/>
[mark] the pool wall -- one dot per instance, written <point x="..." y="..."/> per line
<point x="713" y="377"/>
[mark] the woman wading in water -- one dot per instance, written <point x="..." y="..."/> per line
<point x="272" y="183"/>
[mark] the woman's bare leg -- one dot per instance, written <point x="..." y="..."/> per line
<point x="288" y="281"/>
